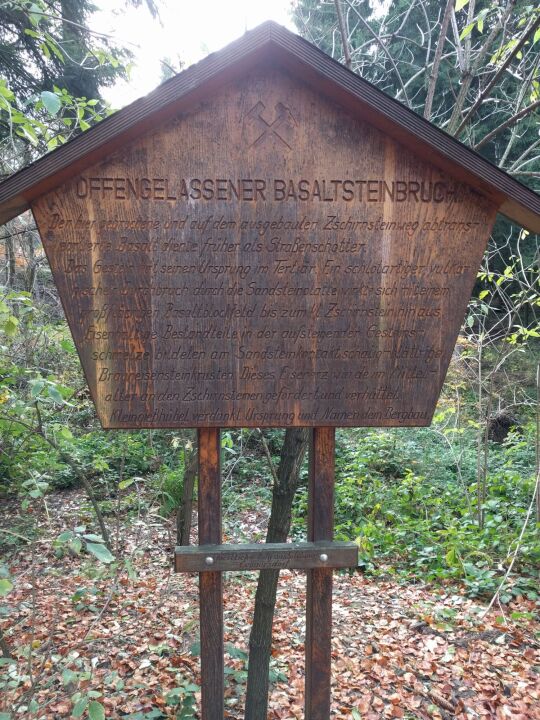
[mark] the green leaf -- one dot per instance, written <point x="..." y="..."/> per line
<point x="6" y="586"/>
<point x="65" y="536"/>
<point x="5" y="716"/>
<point x="67" y="346"/>
<point x="51" y="102"/>
<point x="65" y="433"/>
<point x="460" y="4"/>
<point x="80" y="707"/>
<point x="355" y="714"/>
<point x="191" y="687"/>
<point x="51" y="42"/>
<point x="467" y="31"/>
<point x="5" y="91"/>
<point x="93" y="538"/>
<point x="55" y="394"/>
<point x="29" y="133"/>
<point x="11" y="325"/>
<point x="195" y="649"/>
<point x="76" y="545"/>
<point x="68" y="676"/>
<point x="123" y="484"/>
<point x="483" y="294"/>
<point x="96" y="711"/>
<point x="37" y="387"/>
<point x="102" y="553"/>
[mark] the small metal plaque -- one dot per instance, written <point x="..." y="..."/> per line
<point x="276" y="556"/>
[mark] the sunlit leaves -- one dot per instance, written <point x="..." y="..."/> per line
<point x="6" y="586"/>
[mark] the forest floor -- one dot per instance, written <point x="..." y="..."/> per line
<point x="399" y="650"/>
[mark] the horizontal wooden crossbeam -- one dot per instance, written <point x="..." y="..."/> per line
<point x="256" y="556"/>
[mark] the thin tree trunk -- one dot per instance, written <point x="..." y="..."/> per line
<point x="11" y="266"/>
<point x="537" y="440"/>
<point x="279" y="525"/>
<point x="468" y="70"/>
<point x="344" y="38"/>
<point x="185" y="511"/>
<point x="87" y="485"/>
<point x="4" y="647"/>
<point x="479" y="443"/>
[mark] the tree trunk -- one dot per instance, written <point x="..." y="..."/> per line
<point x="185" y="511"/>
<point x="279" y="525"/>
<point x="4" y="647"/>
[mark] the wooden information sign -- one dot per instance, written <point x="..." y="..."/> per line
<point x="218" y="271"/>
<point x="265" y="240"/>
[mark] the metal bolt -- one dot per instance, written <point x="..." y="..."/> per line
<point x="209" y="560"/>
<point x="323" y="557"/>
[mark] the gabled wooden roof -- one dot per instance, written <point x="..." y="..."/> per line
<point x="272" y="44"/>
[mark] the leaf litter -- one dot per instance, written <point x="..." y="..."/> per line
<point x="130" y="637"/>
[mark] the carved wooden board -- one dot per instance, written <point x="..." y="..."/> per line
<point x="265" y="259"/>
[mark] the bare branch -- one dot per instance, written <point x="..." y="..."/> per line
<point x="384" y="48"/>
<point x="269" y="458"/>
<point x="469" y="71"/>
<point x="343" y="31"/>
<point x="437" y="60"/>
<point x="508" y="123"/>
<point x="515" y="50"/>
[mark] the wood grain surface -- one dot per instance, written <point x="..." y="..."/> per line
<point x="265" y="258"/>
<point x="275" y="556"/>
<point x="210" y="583"/>
<point x="319" y="581"/>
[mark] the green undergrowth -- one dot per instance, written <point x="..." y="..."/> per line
<point x="409" y="499"/>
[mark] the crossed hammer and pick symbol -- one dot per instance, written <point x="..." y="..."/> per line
<point x="258" y="129"/>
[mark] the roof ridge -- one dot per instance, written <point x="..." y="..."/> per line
<point x="306" y="61"/>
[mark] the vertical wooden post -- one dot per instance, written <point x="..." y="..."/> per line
<point x="210" y="584"/>
<point x="319" y="581"/>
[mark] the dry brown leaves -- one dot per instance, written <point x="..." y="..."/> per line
<point x="399" y="651"/>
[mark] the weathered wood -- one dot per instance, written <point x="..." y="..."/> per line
<point x="270" y="44"/>
<point x="275" y="556"/>
<point x="216" y="271"/>
<point x="319" y="581"/>
<point x="210" y="583"/>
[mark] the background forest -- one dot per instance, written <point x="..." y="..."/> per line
<point x="92" y="624"/>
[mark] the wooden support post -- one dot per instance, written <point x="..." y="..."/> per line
<point x="210" y="583"/>
<point x="319" y="581"/>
